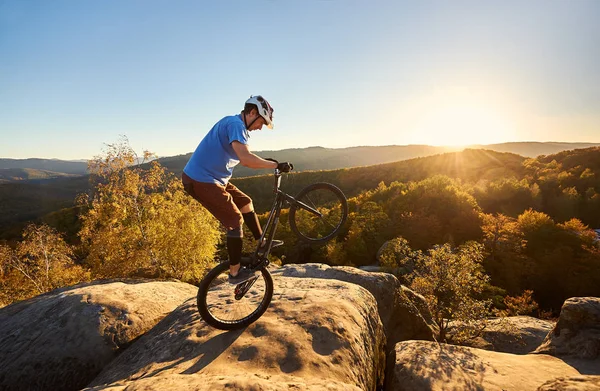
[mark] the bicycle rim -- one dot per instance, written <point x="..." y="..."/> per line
<point x="219" y="306"/>
<point x="332" y="208"/>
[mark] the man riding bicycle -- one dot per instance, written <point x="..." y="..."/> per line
<point x="206" y="177"/>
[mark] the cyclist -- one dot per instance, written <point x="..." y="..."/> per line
<point x="207" y="173"/>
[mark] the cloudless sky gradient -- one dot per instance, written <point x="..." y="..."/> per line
<point x="77" y="74"/>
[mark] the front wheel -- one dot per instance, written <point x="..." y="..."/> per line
<point x="229" y="307"/>
<point x="319" y="213"/>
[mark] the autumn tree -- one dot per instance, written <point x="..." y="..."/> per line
<point x="452" y="281"/>
<point x="370" y="227"/>
<point x="41" y="262"/>
<point x="508" y="196"/>
<point x="397" y="257"/>
<point x="435" y="211"/>
<point x="523" y="304"/>
<point x="532" y="252"/>
<point x="141" y="222"/>
<point x="506" y="262"/>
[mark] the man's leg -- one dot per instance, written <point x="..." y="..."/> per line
<point x="234" y="249"/>
<point x="221" y="205"/>
<point x="251" y="220"/>
<point x="237" y="274"/>
<point x="244" y="204"/>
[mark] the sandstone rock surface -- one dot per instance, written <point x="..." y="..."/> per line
<point x="61" y="340"/>
<point x="574" y="383"/>
<point x="577" y="332"/>
<point x="403" y="312"/>
<point x="316" y="335"/>
<point x="423" y="365"/>
<point x="514" y="334"/>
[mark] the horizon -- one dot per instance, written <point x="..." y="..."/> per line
<point x="75" y="76"/>
<point x="451" y="148"/>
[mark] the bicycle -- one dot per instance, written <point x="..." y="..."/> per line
<point x="316" y="215"/>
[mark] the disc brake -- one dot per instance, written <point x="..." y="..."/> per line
<point x="243" y="288"/>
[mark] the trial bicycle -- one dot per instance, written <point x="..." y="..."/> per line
<point x="316" y="215"/>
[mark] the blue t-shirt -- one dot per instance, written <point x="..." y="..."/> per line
<point x="214" y="159"/>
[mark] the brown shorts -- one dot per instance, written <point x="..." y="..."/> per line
<point x="223" y="202"/>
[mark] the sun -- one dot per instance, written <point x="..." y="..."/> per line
<point x="462" y="125"/>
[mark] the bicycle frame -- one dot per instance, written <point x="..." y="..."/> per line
<point x="260" y="258"/>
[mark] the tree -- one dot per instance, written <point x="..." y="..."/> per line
<point x="436" y="210"/>
<point x="370" y="227"/>
<point x="141" y="222"/>
<point x="397" y="257"/>
<point x="451" y="282"/>
<point x="565" y="259"/>
<point x="40" y="263"/>
<point x="504" y="244"/>
<point x="519" y="305"/>
<point x="508" y="196"/>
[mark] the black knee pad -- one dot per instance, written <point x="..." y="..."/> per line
<point x="235" y="233"/>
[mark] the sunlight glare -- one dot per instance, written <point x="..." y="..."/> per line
<point x="462" y="125"/>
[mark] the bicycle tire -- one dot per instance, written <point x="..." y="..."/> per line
<point x="333" y="199"/>
<point x="231" y="324"/>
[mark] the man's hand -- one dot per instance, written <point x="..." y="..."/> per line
<point x="285" y="166"/>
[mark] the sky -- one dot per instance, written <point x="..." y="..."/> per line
<point x="76" y="75"/>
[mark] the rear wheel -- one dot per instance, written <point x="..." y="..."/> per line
<point x="229" y="307"/>
<point x="319" y="213"/>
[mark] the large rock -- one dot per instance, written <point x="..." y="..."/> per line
<point x="61" y="340"/>
<point x="574" y="383"/>
<point x="514" y="334"/>
<point x="423" y="365"/>
<point x="403" y="312"/>
<point x="316" y="335"/>
<point x="577" y="332"/>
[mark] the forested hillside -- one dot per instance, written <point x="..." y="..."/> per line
<point x="533" y="149"/>
<point x="54" y="165"/>
<point x="469" y="166"/>
<point x="29" y="174"/>
<point x="521" y="224"/>
<point x="30" y="201"/>
<point x="311" y="158"/>
<point x="319" y="158"/>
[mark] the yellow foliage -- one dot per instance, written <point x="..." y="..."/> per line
<point x="141" y="222"/>
<point x="40" y="263"/>
<point x="519" y="305"/>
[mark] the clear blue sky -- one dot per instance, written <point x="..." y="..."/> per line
<point x="77" y="74"/>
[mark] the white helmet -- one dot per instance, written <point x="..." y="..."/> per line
<point x="264" y="109"/>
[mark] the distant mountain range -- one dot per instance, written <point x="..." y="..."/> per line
<point x="52" y="167"/>
<point x="304" y="159"/>
<point x="28" y="174"/>
<point x="319" y="158"/>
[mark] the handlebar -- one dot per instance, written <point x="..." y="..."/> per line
<point x="278" y="174"/>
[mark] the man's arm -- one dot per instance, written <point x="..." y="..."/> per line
<point x="250" y="160"/>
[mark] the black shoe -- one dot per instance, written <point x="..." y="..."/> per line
<point x="242" y="275"/>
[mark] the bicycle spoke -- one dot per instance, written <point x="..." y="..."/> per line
<point x="222" y="304"/>
<point x="331" y="205"/>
